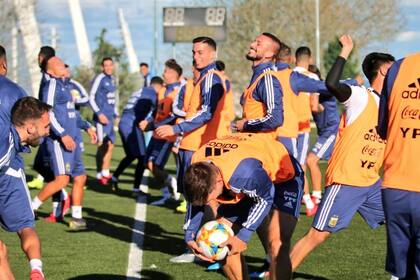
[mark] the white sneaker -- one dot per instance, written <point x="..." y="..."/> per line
<point x="184" y="258"/>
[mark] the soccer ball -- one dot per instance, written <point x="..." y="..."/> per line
<point x="210" y="236"/>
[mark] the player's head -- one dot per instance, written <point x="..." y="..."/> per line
<point x="45" y="52"/>
<point x="172" y="71"/>
<point x="202" y="183"/>
<point x="314" y="69"/>
<point x="107" y="65"/>
<point x="285" y="54"/>
<point x="265" y="47"/>
<point x="31" y="118"/>
<point x="376" y="65"/>
<point x="144" y="68"/>
<point x="3" y="61"/>
<point x="56" y="67"/>
<point x="303" y="56"/>
<point x="220" y="65"/>
<point x="157" y="83"/>
<point x="204" y="51"/>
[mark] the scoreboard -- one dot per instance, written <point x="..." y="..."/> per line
<point x="182" y="24"/>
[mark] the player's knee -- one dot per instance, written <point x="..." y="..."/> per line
<point x="274" y="248"/>
<point x="63" y="180"/>
<point x="311" y="159"/>
<point x="317" y="236"/>
<point x="3" y="250"/>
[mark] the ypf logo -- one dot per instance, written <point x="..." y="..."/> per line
<point x="413" y="91"/>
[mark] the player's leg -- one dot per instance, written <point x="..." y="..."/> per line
<point x="106" y="164"/>
<point x="235" y="268"/>
<point x="101" y="149"/>
<point x="316" y="175"/>
<point x="5" y="271"/>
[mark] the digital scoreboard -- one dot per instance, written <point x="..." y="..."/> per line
<point x="181" y="24"/>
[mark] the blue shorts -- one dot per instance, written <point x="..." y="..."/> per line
<point x="132" y="140"/>
<point x="288" y="195"/>
<point x="403" y="232"/>
<point x="105" y="132"/>
<point x="42" y="163"/>
<point x="15" y="202"/>
<point x="183" y="161"/>
<point x="324" y="146"/>
<point x="302" y="145"/>
<point x="341" y="202"/>
<point x="158" y="151"/>
<point x="290" y="144"/>
<point x="63" y="162"/>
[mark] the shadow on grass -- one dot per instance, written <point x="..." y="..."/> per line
<point x="153" y="274"/>
<point x="99" y="277"/>
<point x="298" y="275"/>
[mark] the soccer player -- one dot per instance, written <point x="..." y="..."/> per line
<point x="398" y="124"/>
<point x="29" y="123"/>
<point x="145" y="73"/>
<point x="244" y="176"/>
<point x="45" y="53"/>
<point x="103" y="102"/>
<point x="306" y="103"/>
<point x="352" y="176"/>
<point x="62" y="144"/>
<point x="140" y="105"/>
<point x="160" y="148"/>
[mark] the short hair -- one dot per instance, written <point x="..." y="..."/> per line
<point x="2" y="52"/>
<point x="302" y="51"/>
<point x="220" y="65"/>
<point x="276" y="40"/>
<point x="105" y="59"/>
<point x="144" y="64"/>
<point x="199" y="181"/>
<point x="373" y="62"/>
<point x="205" y="40"/>
<point x="172" y="64"/>
<point x="156" y="80"/>
<point x="47" y="51"/>
<point x="28" y="108"/>
<point x="285" y="51"/>
<point x="44" y="63"/>
<point x="314" y="69"/>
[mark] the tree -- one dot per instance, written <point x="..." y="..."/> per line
<point x="352" y="66"/>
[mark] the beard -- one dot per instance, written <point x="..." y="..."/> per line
<point x="34" y="141"/>
<point x="253" y="58"/>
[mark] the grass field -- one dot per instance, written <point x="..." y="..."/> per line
<point x="102" y="251"/>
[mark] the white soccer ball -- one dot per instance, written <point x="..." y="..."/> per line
<point x="210" y="236"/>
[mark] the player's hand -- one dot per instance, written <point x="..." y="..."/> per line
<point x="92" y="134"/>
<point x="236" y="245"/>
<point x="239" y="125"/>
<point x="68" y="143"/>
<point x="197" y="251"/>
<point x="347" y="46"/>
<point x="143" y="124"/>
<point x="165" y="131"/>
<point x="103" y="119"/>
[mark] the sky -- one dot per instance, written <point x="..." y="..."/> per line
<point x="100" y="14"/>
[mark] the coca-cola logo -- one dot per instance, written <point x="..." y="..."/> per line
<point x="410" y="113"/>
<point x="371" y="151"/>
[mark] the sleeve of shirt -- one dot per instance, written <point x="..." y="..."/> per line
<point x="48" y="95"/>
<point x="269" y="92"/>
<point x="84" y="97"/>
<point x="93" y="94"/>
<point x="212" y="91"/>
<point x="192" y="221"/>
<point x="356" y="103"/>
<point x="251" y="179"/>
<point x="302" y="83"/>
<point x="383" y="117"/>
<point x="81" y="123"/>
<point x="178" y="103"/>
<point x="6" y="147"/>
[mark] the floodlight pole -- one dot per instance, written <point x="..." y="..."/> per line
<point x="317" y="34"/>
<point x="155" y="38"/>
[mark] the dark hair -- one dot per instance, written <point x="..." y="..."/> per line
<point x="206" y="40"/>
<point x="373" y="62"/>
<point x="220" y="65"/>
<point x="144" y="64"/>
<point x="275" y="40"/>
<point x="285" y="51"/>
<point x="156" y="80"/>
<point x="302" y="51"/>
<point x="199" y="181"/>
<point x="2" y="52"/>
<point x="47" y="51"/>
<point x="314" y="69"/>
<point x="28" y="108"/>
<point x="105" y="59"/>
<point x="44" y="63"/>
<point x="172" y="64"/>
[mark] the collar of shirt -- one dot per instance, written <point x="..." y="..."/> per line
<point x="206" y="69"/>
<point x="281" y="66"/>
<point x="17" y="144"/>
<point x="300" y="69"/>
<point x="260" y="68"/>
<point x="171" y="87"/>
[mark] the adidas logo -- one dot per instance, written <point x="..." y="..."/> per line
<point x="413" y="92"/>
<point x="288" y="204"/>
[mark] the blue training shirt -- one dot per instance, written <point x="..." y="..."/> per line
<point x="102" y="96"/>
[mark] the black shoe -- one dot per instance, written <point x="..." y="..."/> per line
<point x="114" y="186"/>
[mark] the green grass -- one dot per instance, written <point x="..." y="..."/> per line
<point x="101" y="252"/>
